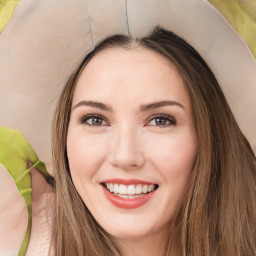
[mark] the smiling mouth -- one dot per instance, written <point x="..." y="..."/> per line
<point x="130" y="191"/>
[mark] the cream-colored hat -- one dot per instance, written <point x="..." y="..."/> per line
<point x="46" y="39"/>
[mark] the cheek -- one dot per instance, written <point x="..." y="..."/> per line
<point x="85" y="153"/>
<point x="174" y="155"/>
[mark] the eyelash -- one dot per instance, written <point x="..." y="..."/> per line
<point x="84" y="120"/>
<point x="166" y="118"/>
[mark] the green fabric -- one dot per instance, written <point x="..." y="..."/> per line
<point x="15" y="154"/>
<point x="7" y="8"/>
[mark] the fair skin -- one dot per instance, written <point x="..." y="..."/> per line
<point x="118" y="135"/>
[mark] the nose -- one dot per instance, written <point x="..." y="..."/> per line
<point x="125" y="151"/>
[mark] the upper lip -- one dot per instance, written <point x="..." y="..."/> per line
<point x="127" y="181"/>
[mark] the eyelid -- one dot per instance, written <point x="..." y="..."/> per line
<point x="169" y="118"/>
<point x="84" y="118"/>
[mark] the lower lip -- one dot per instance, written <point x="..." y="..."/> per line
<point x="127" y="203"/>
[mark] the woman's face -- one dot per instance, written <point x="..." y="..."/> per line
<point x="131" y="141"/>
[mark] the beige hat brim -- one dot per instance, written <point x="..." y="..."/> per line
<point x="46" y="39"/>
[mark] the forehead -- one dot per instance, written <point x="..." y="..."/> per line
<point x="132" y="54"/>
<point x="115" y="59"/>
<point x="129" y="72"/>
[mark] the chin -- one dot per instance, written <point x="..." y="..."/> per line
<point x="127" y="234"/>
<point x="130" y="230"/>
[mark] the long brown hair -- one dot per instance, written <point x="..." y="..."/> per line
<point x="217" y="214"/>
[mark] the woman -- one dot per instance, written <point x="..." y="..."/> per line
<point x="148" y="157"/>
<point x="168" y="128"/>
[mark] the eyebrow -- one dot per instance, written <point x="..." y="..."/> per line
<point x="93" y="104"/>
<point x="143" y="108"/>
<point x="160" y="104"/>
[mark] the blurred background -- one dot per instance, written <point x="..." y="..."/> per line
<point x="241" y="14"/>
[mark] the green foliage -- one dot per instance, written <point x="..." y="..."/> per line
<point x="241" y="14"/>
<point x="15" y="155"/>
<point x="7" y="8"/>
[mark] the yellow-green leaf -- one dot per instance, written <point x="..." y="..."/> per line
<point x="241" y="14"/>
<point x="7" y="8"/>
<point x="15" y="154"/>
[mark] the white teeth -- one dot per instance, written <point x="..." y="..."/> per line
<point x="116" y="189"/>
<point x="111" y="187"/>
<point x="145" y="189"/>
<point x="138" y="189"/>
<point x="151" y="188"/>
<point x="122" y="189"/>
<point x="135" y="196"/>
<point x="132" y="191"/>
<point x="122" y="196"/>
<point x="128" y="196"/>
